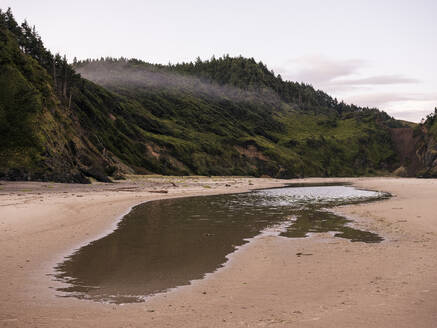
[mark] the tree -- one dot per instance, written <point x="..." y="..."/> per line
<point x="11" y="23"/>
<point x="65" y="76"/>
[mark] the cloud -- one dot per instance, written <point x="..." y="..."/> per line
<point x="381" y="98"/>
<point x="378" y="79"/>
<point x="413" y="115"/>
<point x="377" y="99"/>
<point x="409" y="107"/>
<point x="352" y="80"/>
<point x="322" y="70"/>
<point x="331" y="74"/>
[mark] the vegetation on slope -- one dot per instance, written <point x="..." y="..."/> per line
<point x="225" y="116"/>
<point x="249" y="120"/>
<point x="43" y="133"/>
<point x="28" y="110"/>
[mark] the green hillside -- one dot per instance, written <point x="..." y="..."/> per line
<point x="234" y="116"/>
<point x="223" y="116"/>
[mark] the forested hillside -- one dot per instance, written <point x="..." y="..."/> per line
<point x="49" y="126"/>
<point x="223" y="116"/>
<point x="237" y="117"/>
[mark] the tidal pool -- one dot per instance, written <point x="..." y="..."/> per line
<point x="167" y="243"/>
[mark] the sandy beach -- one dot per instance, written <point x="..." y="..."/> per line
<point x="264" y="284"/>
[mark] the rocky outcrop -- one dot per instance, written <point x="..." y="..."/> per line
<point x="406" y="141"/>
<point x="428" y="154"/>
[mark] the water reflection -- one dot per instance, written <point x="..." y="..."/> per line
<point x="164" y="244"/>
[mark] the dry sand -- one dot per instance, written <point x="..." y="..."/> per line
<point x="265" y="284"/>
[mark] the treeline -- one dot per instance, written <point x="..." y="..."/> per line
<point x="243" y="73"/>
<point x="247" y="74"/>
<point x="431" y="124"/>
<point x="431" y="118"/>
<point x="62" y="74"/>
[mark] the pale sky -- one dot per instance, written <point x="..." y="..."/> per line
<point x="370" y="52"/>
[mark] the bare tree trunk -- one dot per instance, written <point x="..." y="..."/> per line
<point x="54" y="75"/>
<point x="69" y="101"/>
<point x="64" y="86"/>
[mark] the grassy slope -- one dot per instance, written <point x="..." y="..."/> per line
<point x="207" y="134"/>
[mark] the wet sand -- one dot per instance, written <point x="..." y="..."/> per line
<point x="271" y="282"/>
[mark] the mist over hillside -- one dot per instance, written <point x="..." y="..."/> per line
<point x="125" y="74"/>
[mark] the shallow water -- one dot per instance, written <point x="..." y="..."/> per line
<point x="167" y="243"/>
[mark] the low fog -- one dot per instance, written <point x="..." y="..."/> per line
<point x="117" y="75"/>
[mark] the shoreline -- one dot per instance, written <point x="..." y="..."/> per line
<point x="83" y="218"/>
<point x="108" y="223"/>
<point x="268" y="231"/>
<point x="114" y="226"/>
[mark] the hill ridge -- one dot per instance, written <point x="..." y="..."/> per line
<point x="225" y="116"/>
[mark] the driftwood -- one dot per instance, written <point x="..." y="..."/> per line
<point x="159" y="191"/>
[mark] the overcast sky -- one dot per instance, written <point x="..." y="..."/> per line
<point x="379" y="53"/>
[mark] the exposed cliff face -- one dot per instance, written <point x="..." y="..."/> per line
<point x="430" y="160"/>
<point x="416" y="147"/>
<point x="406" y="141"/>
<point x="427" y="151"/>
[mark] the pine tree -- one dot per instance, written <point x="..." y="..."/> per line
<point x="11" y="23"/>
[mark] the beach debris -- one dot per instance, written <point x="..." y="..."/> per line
<point x="303" y="254"/>
<point x="163" y="191"/>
